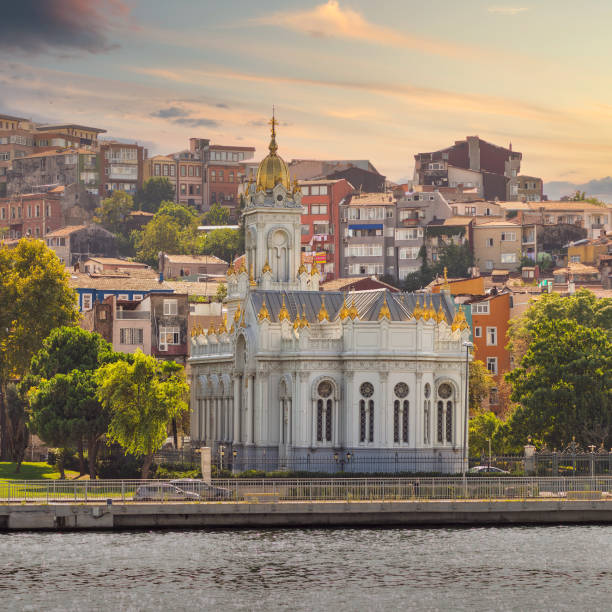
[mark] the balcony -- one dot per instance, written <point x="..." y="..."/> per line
<point x="133" y="315"/>
<point x="410" y="222"/>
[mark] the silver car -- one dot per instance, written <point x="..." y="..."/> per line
<point x="163" y="492"/>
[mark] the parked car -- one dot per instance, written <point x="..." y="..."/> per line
<point x="164" y="492"/>
<point x="480" y="469"/>
<point x="202" y="489"/>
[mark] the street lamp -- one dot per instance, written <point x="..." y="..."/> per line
<point x="468" y="346"/>
<point x="342" y="460"/>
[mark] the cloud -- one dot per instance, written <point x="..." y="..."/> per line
<point x="40" y="26"/>
<point x="507" y="10"/>
<point x="181" y="116"/>
<point x="196" y="122"/>
<point x="330" y="20"/>
<point x="170" y="113"/>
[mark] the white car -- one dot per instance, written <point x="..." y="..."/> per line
<point x="481" y="469"/>
<point x="163" y="492"/>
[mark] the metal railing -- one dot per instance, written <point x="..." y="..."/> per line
<point x="297" y="490"/>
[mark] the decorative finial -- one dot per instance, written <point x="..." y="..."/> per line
<point x="273" y="123"/>
<point x="263" y="312"/>
<point x="353" y="312"/>
<point x="251" y="279"/>
<point x="445" y="286"/>
<point x="301" y="269"/>
<point x="242" y="268"/>
<point x="297" y="322"/>
<point x="344" y="311"/>
<point x="283" y="313"/>
<point x="211" y="329"/>
<point x="266" y="267"/>
<point x="314" y="269"/>
<point x="223" y="326"/>
<point x="384" y="312"/>
<point x="304" y="322"/>
<point x="237" y="314"/>
<point x="230" y="269"/>
<point x="296" y="186"/>
<point x="426" y="312"/>
<point x="323" y="315"/>
<point x="417" y="313"/>
<point x="440" y="316"/>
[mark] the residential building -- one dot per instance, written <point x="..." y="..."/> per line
<point x="415" y="212"/>
<point x="440" y="233"/>
<point x="472" y="162"/>
<point x="192" y="267"/>
<point x="110" y="264"/>
<point x="31" y="215"/>
<point x="366" y="181"/>
<point x="68" y="135"/>
<point x="223" y="171"/>
<point x="597" y="220"/>
<point x="367" y="227"/>
<point x="74" y="244"/>
<point x="458" y="286"/>
<point x="588" y="251"/>
<point x="16" y="140"/>
<point x="162" y="166"/>
<point x="92" y="288"/>
<point x="190" y="178"/>
<point x="528" y="188"/>
<point x="121" y="167"/>
<point x="364" y="283"/>
<point x="41" y="171"/>
<point x="476" y="208"/>
<point x="321" y="201"/>
<point x="497" y="245"/>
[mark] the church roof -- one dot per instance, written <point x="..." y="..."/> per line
<point x="368" y="303"/>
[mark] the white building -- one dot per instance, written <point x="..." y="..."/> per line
<point x="307" y="379"/>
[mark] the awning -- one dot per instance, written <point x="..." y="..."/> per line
<point x="374" y="226"/>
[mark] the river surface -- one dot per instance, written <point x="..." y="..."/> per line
<point x="510" y="568"/>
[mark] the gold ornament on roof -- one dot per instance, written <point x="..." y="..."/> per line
<point x="384" y="312"/>
<point x="211" y="329"/>
<point x="230" y="269"/>
<point x="304" y="321"/>
<point x="232" y="329"/>
<point x="297" y="322"/>
<point x="431" y="310"/>
<point x="251" y="279"/>
<point x="344" y="311"/>
<point x="242" y="268"/>
<point x="302" y="269"/>
<point x="283" y="313"/>
<point x="426" y="312"/>
<point x="223" y="326"/>
<point x="266" y="267"/>
<point x="353" y="313"/>
<point x="417" y="313"/>
<point x="445" y="286"/>
<point x="459" y="320"/>
<point x="263" y="312"/>
<point x="314" y="269"/>
<point x="296" y="186"/>
<point x="272" y="170"/>
<point x="237" y="314"/>
<point x="323" y="315"/>
<point x="440" y="316"/>
<point x="242" y="321"/>
<point x="464" y="324"/>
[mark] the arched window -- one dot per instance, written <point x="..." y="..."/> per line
<point x="427" y="415"/>
<point x="324" y="411"/>
<point x="400" y="413"/>
<point x="445" y="413"/>
<point x="366" y="413"/>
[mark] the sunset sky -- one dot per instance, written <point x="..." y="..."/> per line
<point x="349" y="78"/>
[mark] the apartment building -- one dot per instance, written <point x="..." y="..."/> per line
<point x="31" y="215"/>
<point x="367" y="227"/>
<point x="190" y="171"/>
<point x="321" y="201"/>
<point x="597" y="220"/>
<point x="472" y="163"/>
<point x="70" y="135"/>
<point x="162" y="166"/>
<point x="121" y="168"/>
<point x="497" y="245"/>
<point x="16" y="140"/>
<point x="76" y="243"/>
<point x="527" y="188"/>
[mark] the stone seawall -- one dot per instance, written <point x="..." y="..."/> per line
<point x="68" y="516"/>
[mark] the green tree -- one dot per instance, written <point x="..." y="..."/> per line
<point x="17" y="425"/>
<point x="221" y="293"/>
<point x="481" y="383"/>
<point x="155" y="191"/>
<point x="456" y="258"/>
<point x="113" y="212"/>
<point x="223" y="243"/>
<point x="34" y="298"/>
<point x="143" y="398"/>
<point x="161" y="234"/>
<point x="217" y="215"/>
<point x="484" y="427"/>
<point x="564" y="385"/>
<point x="183" y="215"/>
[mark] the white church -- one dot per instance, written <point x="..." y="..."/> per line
<point x="302" y="379"/>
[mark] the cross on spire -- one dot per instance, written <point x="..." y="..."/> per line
<point x="273" y="122"/>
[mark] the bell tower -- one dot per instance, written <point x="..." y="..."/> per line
<point x="272" y="217"/>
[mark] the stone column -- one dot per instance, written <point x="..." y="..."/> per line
<point x="349" y="410"/>
<point x="249" y="410"/>
<point x="237" y="407"/>
<point x="385" y="427"/>
<point x="530" y="460"/>
<point x="416" y="433"/>
<point x="205" y="463"/>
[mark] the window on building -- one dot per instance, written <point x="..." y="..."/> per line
<point x="165" y="170"/>
<point x="489" y="242"/>
<point x="478" y="332"/>
<point x="390" y="251"/>
<point x="493" y="396"/>
<point x="183" y="170"/>
<point x="131" y="335"/>
<point x="230" y="176"/>
<point x="470" y="210"/>
<point x="190" y="172"/>
<point x="575" y="258"/>
<point x="366" y="413"/>
<point x="408" y="252"/>
<point x="172" y="171"/>
<point x="492" y="365"/>
<point x="123" y="296"/>
<point x="400" y="413"/>
<point x="305" y="229"/>
<point x="491" y="336"/>
<point x="170" y="307"/>
<point x="318" y="209"/>
<point x="137" y="296"/>
<point x="364" y="250"/>
<point x="508" y="236"/>
<point x="183" y="189"/>
<point x="169" y="336"/>
<point x="156" y="169"/>
<point x="427" y="414"/>
<point x="480" y="308"/>
<point x="409" y="234"/>
<point x="489" y="264"/>
<point x="508" y="258"/>
<point x="325" y="411"/>
<point x="87" y="301"/>
<point x="220" y="176"/>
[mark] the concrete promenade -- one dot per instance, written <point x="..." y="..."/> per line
<point x="134" y="515"/>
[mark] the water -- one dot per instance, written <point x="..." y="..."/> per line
<point x="512" y="568"/>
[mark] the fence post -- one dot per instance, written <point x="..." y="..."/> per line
<point x="86" y="491"/>
<point x="75" y="491"/>
<point x="47" y="491"/>
<point x="123" y="491"/>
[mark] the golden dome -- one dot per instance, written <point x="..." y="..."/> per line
<point x="272" y="169"/>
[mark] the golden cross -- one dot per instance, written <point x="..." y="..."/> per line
<point x="273" y="122"/>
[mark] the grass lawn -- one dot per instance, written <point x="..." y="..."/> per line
<point x="31" y="471"/>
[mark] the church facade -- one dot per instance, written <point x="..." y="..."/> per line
<point x="298" y="378"/>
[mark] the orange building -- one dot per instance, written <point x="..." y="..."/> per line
<point x="460" y="286"/>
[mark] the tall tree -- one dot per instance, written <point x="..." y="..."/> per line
<point x="143" y="398"/>
<point x="223" y="243"/>
<point x="481" y="383"/>
<point x="155" y="191"/>
<point x="217" y="215"/>
<point x="17" y="425"/>
<point x="34" y="298"/>
<point x="114" y="211"/>
<point x="564" y="385"/>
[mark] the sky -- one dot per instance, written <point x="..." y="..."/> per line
<point x="350" y="79"/>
